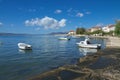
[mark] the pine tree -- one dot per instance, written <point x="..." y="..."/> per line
<point x="80" y="31"/>
<point x="117" y="28"/>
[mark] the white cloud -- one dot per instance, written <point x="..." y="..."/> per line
<point x="80" y="14"/>
<point x="62" y="22"/>
<point x="58" y="11"/>
<point x="71" y="15"/>
<point x="72" y="10"/>
<point x="46" y="22"/>
<point x="100" y="24"/>
<point x="31" y="10"/>
<point x="69" y="10"/>
<point x="88" y="12"/>
<point x="1" y="24"/>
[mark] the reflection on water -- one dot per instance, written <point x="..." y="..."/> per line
<point x="63" y="42"/>
<point x="86" y="51"/>
<point x="1" y="43"/>
<point x="25" y="51"/>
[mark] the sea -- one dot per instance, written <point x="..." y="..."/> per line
<point x="48" y="53"/>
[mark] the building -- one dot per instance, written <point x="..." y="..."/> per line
<point x="72" y="32"/>
<point x="96" y="28"/>
<point x="108" y="28"/>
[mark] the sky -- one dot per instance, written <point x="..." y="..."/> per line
<point x="46" y="16"/>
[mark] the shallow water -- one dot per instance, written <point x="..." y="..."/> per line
<point x="48" y="53"/>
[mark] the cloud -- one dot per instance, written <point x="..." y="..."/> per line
<point x="46" y="22"/>
<point x="71" y="15"/>
<point x="80" y="14"/>
<point x="69" y="10"/>
<point x="1" y="24"/>
<point x="58" y="11"/>
<point x="76" y="12"/>
<point x="87" y="12"/>
<point x="31" y="10"/>
<point x="100" y="24"/>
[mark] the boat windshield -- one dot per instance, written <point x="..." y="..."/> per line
<point x="88" y="42"/>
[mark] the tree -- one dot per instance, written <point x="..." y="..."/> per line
<point x="99" y="32"/>
<point x="117" y="28"/>
<point x="80" y="31"/>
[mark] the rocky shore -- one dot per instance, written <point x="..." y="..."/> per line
<point x="103" y="65"/>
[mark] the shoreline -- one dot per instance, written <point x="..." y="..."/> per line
<point x="111" y="41"/>
<point x="103" y="65"/>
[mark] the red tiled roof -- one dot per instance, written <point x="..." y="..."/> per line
<point x="110" y="26"/>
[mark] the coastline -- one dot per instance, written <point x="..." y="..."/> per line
<point x="111" y="41"/>
<point x="103" y="65"/>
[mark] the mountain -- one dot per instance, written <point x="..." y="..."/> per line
<point x="53" y="33"/>
<point x="10" y="34"/>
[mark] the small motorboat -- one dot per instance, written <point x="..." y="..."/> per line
<point x="24" y="46"/>
<point x="86" y="44"/>
<point x="64" y="38"/>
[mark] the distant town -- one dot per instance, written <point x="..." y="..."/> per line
<point x="110" y="29"/>
<point x="96" y="30"/>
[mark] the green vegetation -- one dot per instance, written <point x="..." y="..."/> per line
<point x="100" y="32"/>
<point x="117" y="28"/>
<point x="80" y="30"/>
<point x="97" y="32"/>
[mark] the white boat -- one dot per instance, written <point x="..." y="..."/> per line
<point x="64" y="38"/>
<point x="87" y="44"/>
<point x="24" y="46"/>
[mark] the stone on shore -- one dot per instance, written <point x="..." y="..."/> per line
<point x="104" y="65"/>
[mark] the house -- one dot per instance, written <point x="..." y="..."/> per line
<point x="88" y="30"/>
<point x="108" y="28"/>
<point x="72" y="32"/>
<point x="96" y="28"/>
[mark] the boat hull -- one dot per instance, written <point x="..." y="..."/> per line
<point x="92" y="46"/>
<point x="64" y="39"/>
<point x="24" y="46"/>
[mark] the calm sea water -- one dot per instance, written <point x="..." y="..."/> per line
<point x="48" y="53"/>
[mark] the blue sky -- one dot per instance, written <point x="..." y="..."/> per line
<point x="45" y="16"/>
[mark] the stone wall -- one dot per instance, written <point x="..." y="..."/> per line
<point x="113" y="42"/>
